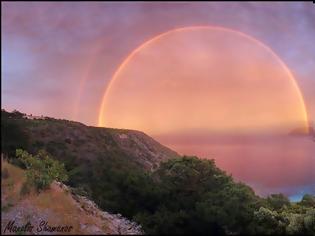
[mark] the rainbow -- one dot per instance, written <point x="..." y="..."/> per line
<point x="101" y="121"/>
<point x="93" y="56"/>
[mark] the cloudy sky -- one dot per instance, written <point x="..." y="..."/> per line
<point x="58" y="58"/>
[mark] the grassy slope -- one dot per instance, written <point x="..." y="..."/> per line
<point x="53" y="205"/>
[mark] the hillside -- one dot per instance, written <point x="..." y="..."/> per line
<point x="73" y="140"/>
<point x="58" y="206"/>
<point x="102" y="162"/>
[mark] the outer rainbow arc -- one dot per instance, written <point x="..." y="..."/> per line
<point x="101" y="121"/>
<point x="81" y="86"/>
<point x="85" y="75"/>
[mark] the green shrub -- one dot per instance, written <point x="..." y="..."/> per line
<point x="42" y="169"/>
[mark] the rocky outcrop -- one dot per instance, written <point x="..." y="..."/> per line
<point x="145" y="150"/>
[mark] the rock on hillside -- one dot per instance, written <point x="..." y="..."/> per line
<point x="115" y="223"/>
<point x="145" y="149"/>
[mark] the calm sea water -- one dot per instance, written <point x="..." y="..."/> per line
<point x="283" y="164"/>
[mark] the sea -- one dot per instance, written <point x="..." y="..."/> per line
<point x="269" y="164"/>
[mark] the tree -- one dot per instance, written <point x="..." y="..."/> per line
<point x="309" y="222"/>
<point x="307" y="201"/>
<point x="269" y="222"/>
<point x="277" y="201"/>
<point x="231" y="207"/>
<point x="197" y="197"/>
<point x="296" y="224"/>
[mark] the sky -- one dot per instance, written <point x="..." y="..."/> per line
<point x="58" y="58"/>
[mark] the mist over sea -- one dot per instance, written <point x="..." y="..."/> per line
<point x="269" y="164"/>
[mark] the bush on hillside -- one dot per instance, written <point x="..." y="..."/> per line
<point x="41" y="169"/>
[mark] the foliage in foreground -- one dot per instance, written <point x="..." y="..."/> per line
<point x="184" y="195"/>
<point x="41" y="169"/>
<point x="189" y="195"/>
